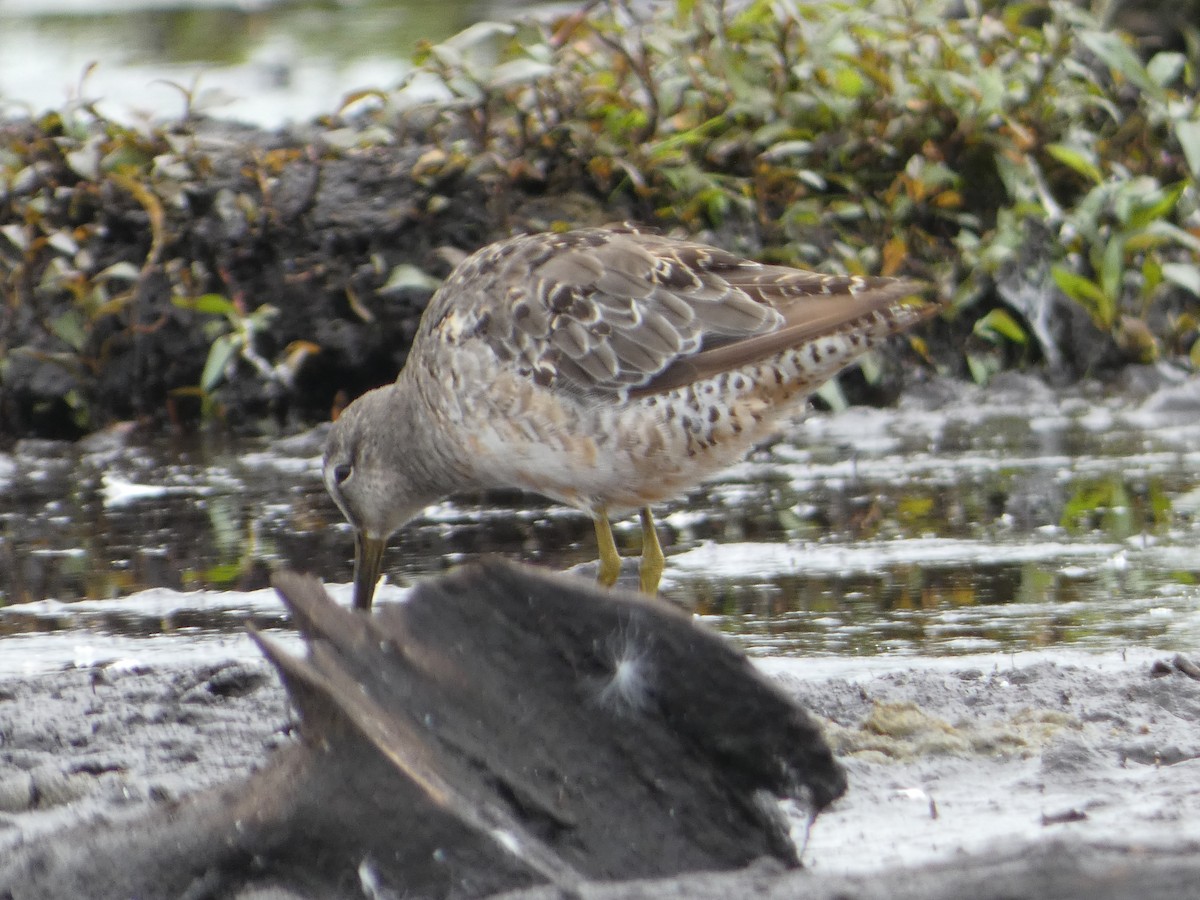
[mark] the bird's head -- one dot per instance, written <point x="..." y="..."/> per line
<point x="368" y="471"/>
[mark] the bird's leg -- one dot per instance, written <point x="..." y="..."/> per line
<point x="653" y="561"/>
<point x="610" y="561"/>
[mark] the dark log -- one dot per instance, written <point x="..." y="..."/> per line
<point x="503" y="728"/>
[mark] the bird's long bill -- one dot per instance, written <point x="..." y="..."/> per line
<point x="368" y="560"/>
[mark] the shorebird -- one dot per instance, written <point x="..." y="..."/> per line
<point x="607" y="369"/>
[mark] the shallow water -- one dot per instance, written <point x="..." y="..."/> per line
<point x="262" y="61"/>
<point x="980" y="526"/>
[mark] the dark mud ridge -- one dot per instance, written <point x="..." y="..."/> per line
<point x="100" y="323"/>
<point x="510" y="731"/>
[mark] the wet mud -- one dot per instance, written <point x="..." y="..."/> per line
<point x="1018" y="775"/>
<point x="502" y="728"/>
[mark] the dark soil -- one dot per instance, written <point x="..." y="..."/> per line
<point x="319" y="231"/>
<point x="259" y="218"/>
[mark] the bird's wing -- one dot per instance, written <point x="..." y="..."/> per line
<point x="612" y="310"/>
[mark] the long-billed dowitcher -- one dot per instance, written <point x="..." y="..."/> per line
<point x="604" y="368"/>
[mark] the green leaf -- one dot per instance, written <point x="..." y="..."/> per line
<point x="1186" y="275"/>
<point x="70" y="328"/>
<point x="1086" y="502"/>
<point x="80" y="413"/>
<point x="478" y="36"/>
<point x="982" y="367"/>
<point x="219" y="355"/>
<point x="1076" y="160"/>
<point x="222" y="573"/>
<point x="1157" y="205"/>
<point x="1086" y="293"/>
<point x="1112" y="267"/>
<point x="125" y="157"/>
<point x="1165" y="67"/>
<point x="831" y="393"/>
<point x="814" y="180"/>
<point x="847" y="210"/>
<point x="119" y="271"/>
<point x="871" y="369"/>
<point x="85" y="162"/>
<point x="990" y="83"/>
<point x="1152" y="274"/>
<point x="16" y="234"/>
<point x="715" y="202"/>
<point x="213" y="304"/>
<point x="406" y="276"/>
<point x="849" y="83"/>
<point x="260" y="318"/>
<point x="1160" y="232"/>
<point x="518" y="71"/>
<point x="63" y="242"/>
<point x="1188" y="135"/>
<point x="1015" y="15"/>
<point x="1000" y="322"/>
<point x="1118" y="56"/>
<point x="784" y="150"/>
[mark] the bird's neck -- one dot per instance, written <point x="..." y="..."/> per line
<point x="425" y="448"/>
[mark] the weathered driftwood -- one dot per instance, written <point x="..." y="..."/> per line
<point x="503" y="728"/>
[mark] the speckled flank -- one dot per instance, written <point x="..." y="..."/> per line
<point x="680" y="436"/>
<point x="587" y="452"/>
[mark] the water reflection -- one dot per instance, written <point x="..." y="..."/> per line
<point x="262" y="62"/>
<point x="865" y="533"/>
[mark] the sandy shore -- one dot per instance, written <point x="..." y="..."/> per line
<point x="980" y="769"/>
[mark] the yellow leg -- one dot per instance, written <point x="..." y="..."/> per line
<point x="610" y="561"/>
<point x="653" y="561"/>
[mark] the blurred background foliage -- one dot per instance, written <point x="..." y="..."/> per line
<point x="1016" y="155"/>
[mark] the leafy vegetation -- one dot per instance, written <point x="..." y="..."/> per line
<point x="872" y="137"/>
<point x="1035" y="167"/>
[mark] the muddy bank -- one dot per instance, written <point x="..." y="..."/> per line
<point x="257" y="218"/>
<point x="256" y="279"/>
<point x="192" y="272"/>
<point x="957" y="768"/>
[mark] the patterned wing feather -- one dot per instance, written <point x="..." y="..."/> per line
<point x="610" y="310"/>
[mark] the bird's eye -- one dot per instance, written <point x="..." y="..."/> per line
<point x="341" y="473"/>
